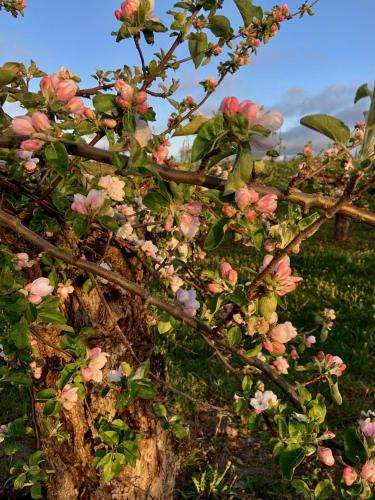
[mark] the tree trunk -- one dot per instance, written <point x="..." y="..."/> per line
<point x="74" y="478"/>
<point x="342" y="224"/>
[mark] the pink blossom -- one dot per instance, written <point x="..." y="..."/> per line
<point x="251" y="215"/>
<point x="168" y="225"/>
<point x="251" y="110"/>
<point x="118" y="15"/>
<point x="260" y="145"/>
<point x="307" y="151"/>
<point x="64" y="290"/>
<point x="113" y="186"/>
<point x="310" y="341"/>
<point x="130" y="7"/>
<point x="89" y="113"/>
<point x="110" y="123"/>
<point x="211" y="83"/>
<point x="267" y="204"/>
<point x="149" y="249"/>
<point x="367" y="427"/>
<point x="230" y="106"/>
<point x="143" y="133"/>
<point x="23" y="125"/>
<point x="142" y="108"/>
<point x="65" y="90"/>
<point x="31" y="145"/>
<point x="263" y="401"/>
<point x="284" y="281"/>
<point x="37" y="370"/>
<point x="141" y="97"/>
<point x="213" y="288"/>
<point x="271" y="120"/>
<point x="281" y="365"/>
<point x="283" y="332"/>
<point x="21" y="260"/>
<point x="98" y="358"/>
<point x="40" y="121"/>
<point x="194" y="208"/>
<point x="294" y="354"/>
<point x="187" y="299"/>
<point x="325" y="456"/>
<point x="80" y="204"/>
<point x="228" y="210"/>
<point x="93" y="201"/>
<point x="349" y="475"/>
<point x="245" y="196"/>
<point x="273" y="346"/>
<point x="189" y="225"/>
<point x="31" y="165"/>
<point x="161" y="152"/>
<point x="76" y="105"/>
<point x="38" y="289"/>
<point x="115" y="376"/>
<point x="69" y="396"/>
<point x="125" y="90"/>
<point x="368" y="471"/>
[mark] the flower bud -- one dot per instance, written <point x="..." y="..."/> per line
<point x="325" y="456"/>
<point x="23" y="125"/>
<point x="40" y="121"/>
<point x="31" y="145"/>
<point x="110" y="123"/>
<point x="229" y="106"/>
<point x="66" y="89"/>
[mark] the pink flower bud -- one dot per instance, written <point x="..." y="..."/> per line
<point x="69" y="396"/>
<point x="141" y="97"/>
<point x="307" y="151"/>
<point x="118" y="15"/>
<point x="194" y="208"/>
<point x="267" y="204"/>
<point x="23" y="125"/>
<point x="310" y="341"/>
<point x="40" y="121"/>
<point x="123" y="103"/>
<point x="110" y="123"/>
<point x="251" y="110"/>
<point x="294" y="354"/>
<point x="142" y="108"/>
<point x="283" y="332"/>
<point x="229" y="105"/>
<point x="242" y="198"/>
<point x="368" y="471"/>
<point x="30" y="166"/>
<point x="75" y="104"/>
<point x="228" y="210"/>
<point x="31" y="145"/>
<point x="274" y="346"/>
<point x="349" y="476"/>
<point x="130" y="7"/>
<point x="89" y="113"/>
<point x="225" y="269"/>
<point x="251" y="215"/>
<point x="232" y="277"/>
<point x="325" y="456"/>
<point x="66" y="89"/>
<point x="213" y="288"/>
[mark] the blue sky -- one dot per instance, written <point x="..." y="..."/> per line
<point x="313" y="65"/>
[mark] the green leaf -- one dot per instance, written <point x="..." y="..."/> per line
<point x="197" y="46"/>
<point x="20" y="481"/>
<point x="191" y="128"/>
<point x="220" y="26"/>
<point x="267" y="305"/>
<point x="57" y="157"/>
<point x="329" y="126"/>
<point x="36" y="490"/>
<point x="216" y="234"/>
<point x="179" y="431"/>
<point x="104" y="102"/>
<point x="160" y="410"/>
<point x="355" y="450"/>
<point x="52" y="407"/>
<point x="248" y="11"/>
<point x="363" y="91"/>
<point x="242" y="169"/>
<point x="19" y="333"/>
<point x="80" y="225"/>
<point x="301" y="488"/>
<point x="20" y="378"/>
<point x="239" y="126"/>
<point x="324" y="490"/>
<point x="234" y="336"/>
<point x="335" y="392"/>
<point x="109" y="223"/>
<point x="208" y="135"/>
<point x="156" y="202"/>
<point x="290" y="458"/>
<point x="46" y="394"/>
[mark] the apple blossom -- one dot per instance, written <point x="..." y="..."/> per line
<point x="22" y="260"/>
<point x="263" y="401"/>
<point x="368" y="471"/>
<point x="189" y="225"/>
<point x="367" y="425"/>
<point x="31" y="145"/>
<point x="38" y="289"/>
<point x="130" y="7"/>
<point x="228" y="210"/>
<point x="31" y="165"/>
<point x="284" y="281"/>
<point x="251" y="110"/>
<point x="349" y="475"/>
<point x="69" y="396"/>
<point x="110" y="123"/>
<point x="271" y="120"/>
<point x="310" y="341"/>
<point x="63" y="291"/>
<point x="161" y="152"/>
<point x="23" y="125"/>
<point x="40" y="121"/>
<point x="37" y="370"/>
<point x="230" y="106"/>
<point x="325" y="456"/>
<point x="113" y="187"/>
<point x="187" y="299"/>
<point x="115" y="376"/>
<point x="283" y="332"/>
<point x="3" y="430"/>
<point x="65" y="90"/>
<point x="75" y="104"/>
<point x="281" y="365"/>
<point x="267" y="204"/>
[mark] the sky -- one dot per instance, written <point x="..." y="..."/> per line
<point x="313" y="65"/>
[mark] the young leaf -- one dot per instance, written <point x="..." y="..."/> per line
<point x="57" y="157"/>
<point x="197" y="46"/>
<point x="220" y="26"/>
<point x="329" y="126"/>
<point x="242" y="169"/>
<point x="216" y="234"/>
<point x="363" y="91"/>
<point x="104" y="102"/>
<point x="289" y="460"/>
<point x="208" y="135"/>
<point x="248" y="11"/>
<point x="355" y="450"/>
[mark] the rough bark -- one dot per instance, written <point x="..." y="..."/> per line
<point x="156" y="470"/>
<point x="342" y="225"/>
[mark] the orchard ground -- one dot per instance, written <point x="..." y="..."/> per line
<point x="339" y="276"/>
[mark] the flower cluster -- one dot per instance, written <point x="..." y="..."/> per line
<point x="188" y="300"/>
<point x="97" y="360"/>
<point x="38" y="289"/>
<point x="265" y="205"/>
<point x="263" y="401"/>
<point x="128" y="97"/>
<point x="283" y="281"/>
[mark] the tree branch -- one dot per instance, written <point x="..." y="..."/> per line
<point x="198" y="179"/>
<point x="205" y="331"/>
